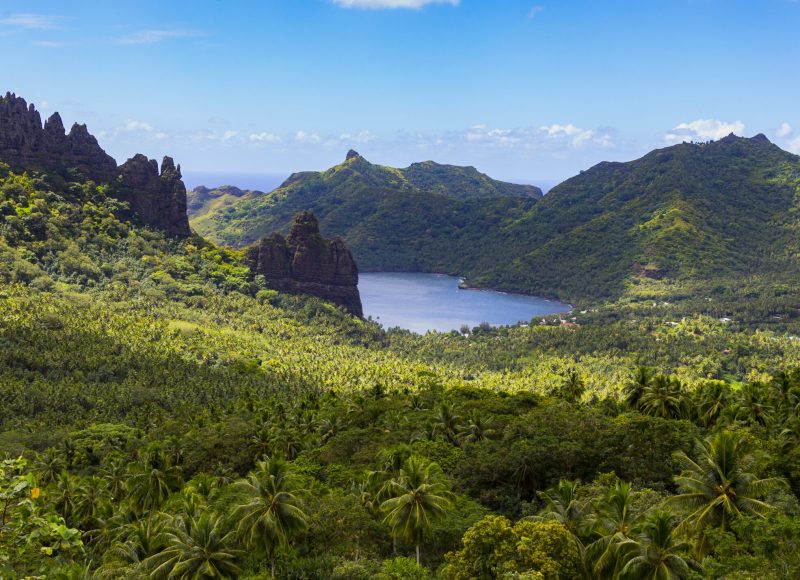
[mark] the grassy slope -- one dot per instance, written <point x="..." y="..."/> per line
<point x="425" y="217"/>
<point x="698" y="213"/>
<point x="715" y="211"/>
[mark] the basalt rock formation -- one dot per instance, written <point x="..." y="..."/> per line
<point x="158" y="200"/>
<point x="306" y="263"/>
<point x="26" y="145"/>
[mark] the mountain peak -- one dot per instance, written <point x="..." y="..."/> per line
<point x="352" y="154"/>
<point x="159" y="200"/>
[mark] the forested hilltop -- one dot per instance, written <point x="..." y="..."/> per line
<point x="165" y="414"/>
<point x="702" y="214"/>
<point x="426" y="217"/>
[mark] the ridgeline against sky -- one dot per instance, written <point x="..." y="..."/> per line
<point x="521" y="89"/>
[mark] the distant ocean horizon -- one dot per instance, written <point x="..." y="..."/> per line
<point x="269" y="181"/>
<point x="211" y="179"/>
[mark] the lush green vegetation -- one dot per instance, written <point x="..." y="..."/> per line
<point x="706" y="213"/>
<point x="427" y="217"/>
<point x="698" y="217"/>
<point x="164" y="415"/>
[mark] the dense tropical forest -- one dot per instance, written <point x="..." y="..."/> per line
<point x="695" y="213"/>
<point x="166" y="415"/>
<point x="407" y="219"/>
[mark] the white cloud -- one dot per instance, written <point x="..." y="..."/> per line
<point x="535" y="11"/>
<point x="576" y="136"/>
<point x="228" y="135"/>
<point x="264" y="137"/>
<point x="784" y="130"/>
<point x="155" y="36"/>
<point x="303" y="137"/>
<point x="703" y="129"/>
<point x="132" y="125"/>
<point x="360" y="137"/>
<point x="32" y="21"/>
<point x="547" y="138"/>
<point x="379" y="4"/>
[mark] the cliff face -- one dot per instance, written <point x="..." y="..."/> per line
<point x="307" y="263"/>
<point x="158" y="200"/>
<point x="25" y="144"/>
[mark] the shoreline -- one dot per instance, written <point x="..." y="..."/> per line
<point x="463" y="284"/>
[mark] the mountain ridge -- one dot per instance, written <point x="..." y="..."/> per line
<point x="687" y="212"/>
<point x="387" y="221"/>
<point x="156" y="198"/>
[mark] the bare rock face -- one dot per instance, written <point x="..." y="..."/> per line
<point x="86" y="155"/>
<point x="25" y="144"/>
<point x="20" y="133"/>
<point x="158" y="200"/>
<point x="307" y="263"/>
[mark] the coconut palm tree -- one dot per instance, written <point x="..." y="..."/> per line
<point x="642" y="377"/>
<point x="196" y="549"/>
<point x="713" y="397"/>
<point x="115" y="474"/>
<point x="446" y="422"/>
<point x="785" y="392"/>
<point x="563" y="506"/>
<point x="663" y="397"/>
<point x="573" y="387"/>
<point x="720" y="485"/>
<point x="754" y="406"/>
<point x="66" y="496"/>
<point x="613" y="525"/>
<point x="152" y="480"/>
<point x="138" y="540"/>
<point x="272" y="512"/>
<point x="206" y="486"/>
<point x="50" y="465"/>
<point x="655" y="554"/>
<point x="477" y="428"/>
<point x="92" y="507"/>
<point x="418" y="496"/>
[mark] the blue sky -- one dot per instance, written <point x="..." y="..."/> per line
<point x="522" y="90"/>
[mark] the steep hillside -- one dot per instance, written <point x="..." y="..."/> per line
<point x="714" y="211"/>
<point x="424" y="217"/>
<point x="202" y="200"/>
<point x="158" y="398"/>
<point x="692" y="213"/>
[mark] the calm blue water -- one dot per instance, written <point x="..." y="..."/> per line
<point x="422" y="302"/>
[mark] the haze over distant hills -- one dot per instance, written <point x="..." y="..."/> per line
<point x="687" y="212"/>
<point x="421" y="218"/>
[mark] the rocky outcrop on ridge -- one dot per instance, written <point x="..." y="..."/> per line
<point x="27" y="145"/>
<point x="156" y="199"/>
<point x="306" y="263"/>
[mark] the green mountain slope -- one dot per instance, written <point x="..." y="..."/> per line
<point x="713" y="211"/>
<point x="153" y="391"/>
<point x="425" y="217"/>
<point x="692" y="213"/>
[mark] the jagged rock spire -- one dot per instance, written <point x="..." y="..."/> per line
<point x="307" y="263"/>
<point x="157" y="199"/>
